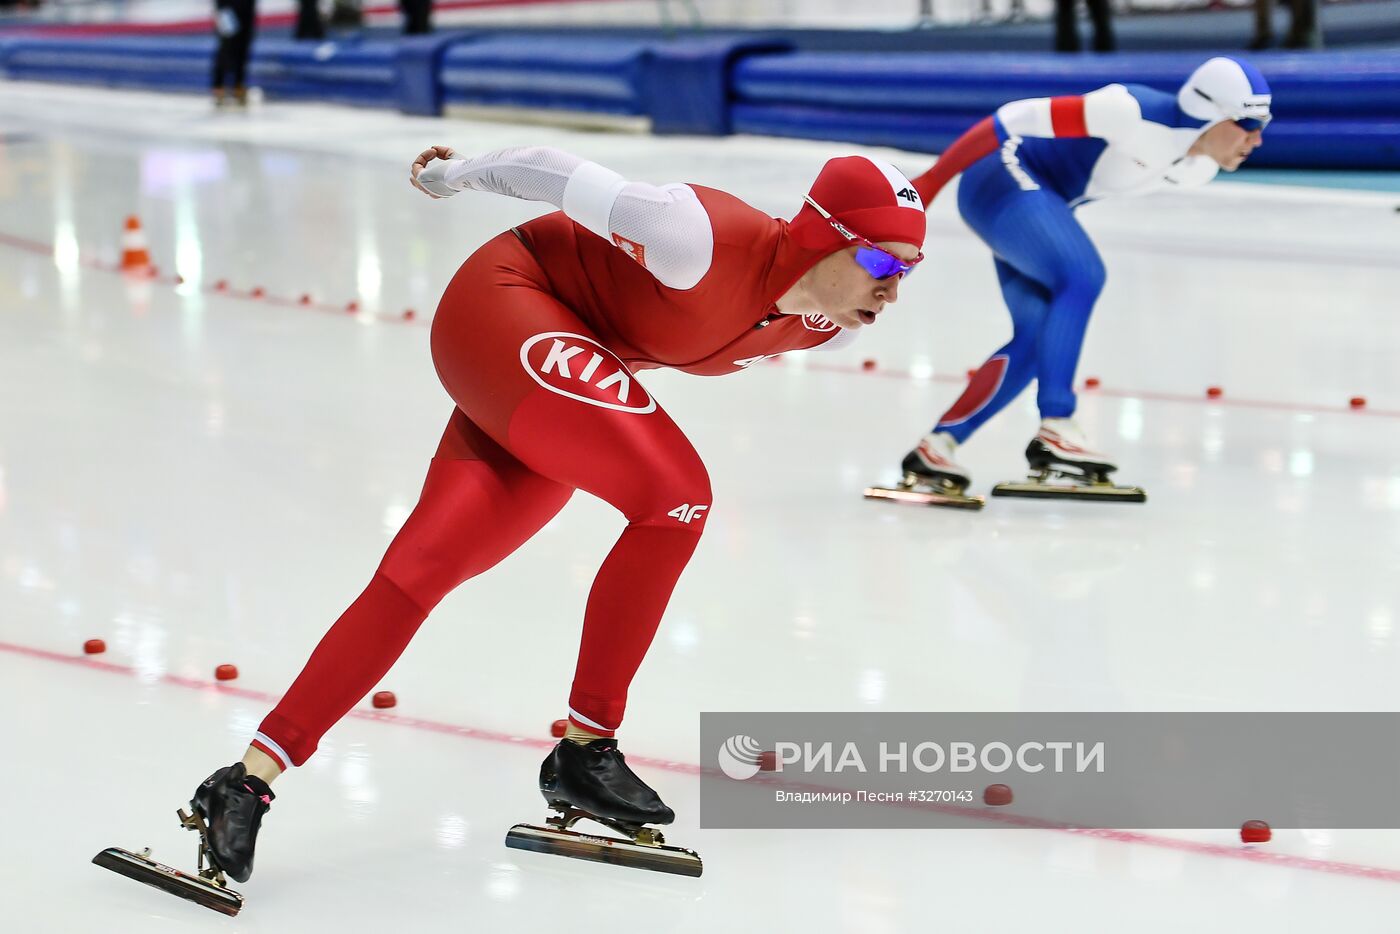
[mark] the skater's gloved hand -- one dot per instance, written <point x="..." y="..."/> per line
<point x="429" y="179"/>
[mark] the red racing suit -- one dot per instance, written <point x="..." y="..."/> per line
<point x="537" y="340"/>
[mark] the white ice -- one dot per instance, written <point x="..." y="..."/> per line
<point x="199" y="478"/>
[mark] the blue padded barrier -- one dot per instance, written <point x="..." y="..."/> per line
<point x="160" y="64"/>
<point x="919" y="132"/>
<point x="1330" y="144"/>
<point x="686" y="83"/>
<point x="420" y="69"/>
<point x="1332" y="110"/>
<point x="342" y="72"/>
<point x="355" y="72"/>
<point x="590" y="75"/>
<point x="682" y="85"/>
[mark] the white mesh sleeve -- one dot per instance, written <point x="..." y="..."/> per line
<point x="665" y="228"/>
<point x="532" y="173"/>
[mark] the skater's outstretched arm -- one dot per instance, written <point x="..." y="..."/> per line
<point x="665" y="227"/>
<point x="1109" y="113"/>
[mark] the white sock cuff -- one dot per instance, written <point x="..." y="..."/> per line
<point x="574" y="714"/>
<point x="277" y="751"/>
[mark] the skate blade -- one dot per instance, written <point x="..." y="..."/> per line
<point x="570" y="843"/>
<point x="167" y="879"/>
<point x="1102" y="491"/>
<point x="925" y="496"/>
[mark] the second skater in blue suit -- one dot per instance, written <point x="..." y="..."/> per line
<point x="1024" y="172"/>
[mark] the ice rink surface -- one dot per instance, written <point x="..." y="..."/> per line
<point x="199" y="476"/>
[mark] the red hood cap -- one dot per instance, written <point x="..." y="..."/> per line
<point x="870" y="197"/>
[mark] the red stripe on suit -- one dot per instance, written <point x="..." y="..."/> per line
<point x="1067" y="116"/>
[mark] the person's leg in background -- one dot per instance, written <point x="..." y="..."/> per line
<point x="225" y="26"/>
<point x="309" y="22"/>
<point x="1304" y="31"/>
<point x="1263" y="25"/>
<point x="1066" y="27"/>
<point x="1101" y="13"/>
<point x="417" y="16"/>
<point x="242" y="46"/>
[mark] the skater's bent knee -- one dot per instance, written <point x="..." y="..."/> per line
<point x="420" y="585"/>
<point x="1086" y="280"/>
<point x="681" y="498"/>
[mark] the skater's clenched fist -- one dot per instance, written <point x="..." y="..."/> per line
<point x="430" y="179"/>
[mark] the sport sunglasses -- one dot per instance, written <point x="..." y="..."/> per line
<point x="879" y="263"/>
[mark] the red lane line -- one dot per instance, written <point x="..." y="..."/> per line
<point x="35" y="246"/>
<point x="31" y="246"/>
<point x="1149" y="395"/>
<point x="220" y="687"/>
<point x="91" y="262"/>
<point x="1198" y="848"/>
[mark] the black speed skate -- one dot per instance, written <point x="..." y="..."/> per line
<point x="226" y="810"/>
<point x="1063" y="466"/>
<point x="931" y="477"/>
<point x="594" y="782"/>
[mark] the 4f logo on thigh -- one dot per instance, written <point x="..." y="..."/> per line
<point x="687" y="513"/>
<point x="581" y="368"/>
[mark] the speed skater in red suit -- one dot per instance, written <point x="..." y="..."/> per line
<point x="537" y="340"/>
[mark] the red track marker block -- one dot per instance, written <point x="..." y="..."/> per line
<point x="997" y="795"/>
<point x="1256" y="831"/>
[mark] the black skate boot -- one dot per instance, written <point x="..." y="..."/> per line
<point x="593" y="782"/>
<point x="931" y="477"/>
<point x="1061" y="446"/>
<point x="595" y="779"/>
<point x="228" y="809"/>
<point x="1063" y="466"/>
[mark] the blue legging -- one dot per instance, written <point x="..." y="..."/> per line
<point x="1050" y="276"/>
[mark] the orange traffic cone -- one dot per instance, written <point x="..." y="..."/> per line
<point x="135" y="256"/>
